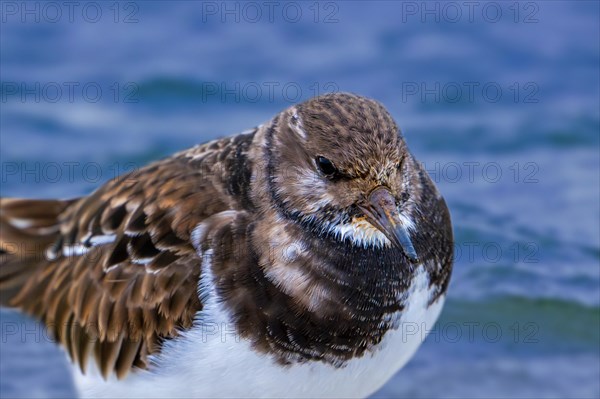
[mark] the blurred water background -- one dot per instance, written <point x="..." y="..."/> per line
<point x="500" y="100"/>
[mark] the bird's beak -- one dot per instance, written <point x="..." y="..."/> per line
<point x="381" y="211"/>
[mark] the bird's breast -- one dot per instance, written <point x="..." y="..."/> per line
<point x="212" y="351"/>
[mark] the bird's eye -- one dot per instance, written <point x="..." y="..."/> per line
<point x="326" y="166"/>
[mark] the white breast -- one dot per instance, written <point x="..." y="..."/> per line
<point x="210" y="360"/>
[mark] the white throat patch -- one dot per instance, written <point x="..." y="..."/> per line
<point x="362" y="233"/>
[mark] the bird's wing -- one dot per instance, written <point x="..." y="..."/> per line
<point x="120" y="274"/>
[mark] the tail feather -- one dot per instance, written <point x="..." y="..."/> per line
<point x="27" y="228"/>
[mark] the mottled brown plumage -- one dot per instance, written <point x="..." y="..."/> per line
<point x="279" y="211"/>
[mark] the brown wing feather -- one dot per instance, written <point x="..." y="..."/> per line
<point x="121" y="275"/>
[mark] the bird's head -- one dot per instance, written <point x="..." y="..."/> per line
<point x="338" y="165"/>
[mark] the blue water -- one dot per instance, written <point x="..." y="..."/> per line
<point x="503" y="110"/>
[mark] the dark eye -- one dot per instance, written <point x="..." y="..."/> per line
<point x="326" y="166"/>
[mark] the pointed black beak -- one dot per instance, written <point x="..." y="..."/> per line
<point x="381" y="211"/>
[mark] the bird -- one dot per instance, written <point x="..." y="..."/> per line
<point x="306" y="257"/>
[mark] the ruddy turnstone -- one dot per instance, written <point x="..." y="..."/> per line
<point x="284" y="261"/>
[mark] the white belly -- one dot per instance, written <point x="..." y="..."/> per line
<point x="210" y="361"/>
